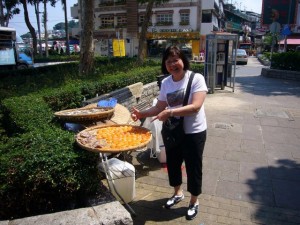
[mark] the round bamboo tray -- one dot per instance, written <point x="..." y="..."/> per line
<point x="85" y="114"/>
<point x="87" y="139"/>
<point x="121" y="114"/>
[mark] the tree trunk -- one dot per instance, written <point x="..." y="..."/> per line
<point x="45" y="26"/>
<point x="142" y="40"/>
<point x="30" y="27"/>
<point x="86" y="65"/>
<point x="1" y="15"/>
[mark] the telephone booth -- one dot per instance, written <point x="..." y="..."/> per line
<point x="220" y="61"/>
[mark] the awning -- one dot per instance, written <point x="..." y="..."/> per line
<point x="291" y="42"/>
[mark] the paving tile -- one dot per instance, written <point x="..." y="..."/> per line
<point x="252" y="146"/>
<point x="255" y="174"/>
<point x="220" y="164"/>
<point x="209" y="181"/>
<point x="268" y="121"/>
<point x="246" y="157"/>
<point x="252" y="132"/>
<point x="245" y="192"/>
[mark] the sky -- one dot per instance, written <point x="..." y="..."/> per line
<point x="56" y="15"/>
<point x="249" y="5"/>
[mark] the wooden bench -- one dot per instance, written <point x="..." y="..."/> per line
<point x="135" y="95"/>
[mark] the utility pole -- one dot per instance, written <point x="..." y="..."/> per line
<point x="45" y="26"/>
<point x="37" y="7"/>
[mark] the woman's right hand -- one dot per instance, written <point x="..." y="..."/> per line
<point x="135" y="114"/>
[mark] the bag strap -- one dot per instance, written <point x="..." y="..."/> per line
<point x="188" y="89"/>
<point x="187" y="93"/>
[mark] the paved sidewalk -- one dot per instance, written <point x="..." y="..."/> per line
<point x="251" y="160"/>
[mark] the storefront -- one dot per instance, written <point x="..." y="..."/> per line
<point x="187" y="39"/>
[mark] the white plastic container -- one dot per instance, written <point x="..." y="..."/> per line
<point x="156" y="145"/>
<point x="121" y="176"/>
<point x="161" y="155"/>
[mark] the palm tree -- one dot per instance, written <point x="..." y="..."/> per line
<point x="64" y="4"/>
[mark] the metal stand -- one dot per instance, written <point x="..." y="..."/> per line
<point x="104" y="161"/>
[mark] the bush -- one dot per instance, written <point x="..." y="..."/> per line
<point x="42" y="171"/>
<point x="286" y="61"/>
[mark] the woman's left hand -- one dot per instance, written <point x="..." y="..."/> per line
<point x="163" y="115"/>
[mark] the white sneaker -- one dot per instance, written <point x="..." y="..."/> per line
<point x="173" y="201"/>
<point x="192" y="211"/>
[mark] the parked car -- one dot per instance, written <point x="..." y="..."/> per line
<point x="241" y="56"/>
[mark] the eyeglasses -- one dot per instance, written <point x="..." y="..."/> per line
<point x="172" y="62"/>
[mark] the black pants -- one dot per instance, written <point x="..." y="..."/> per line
<point x="191" y="152"/>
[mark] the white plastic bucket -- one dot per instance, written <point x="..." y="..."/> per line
<point x="122" y="176"/>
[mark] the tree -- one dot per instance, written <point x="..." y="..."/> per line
<point x="64" y="3"/>
<point x="30" y="27"/>
<point x="26" y="36"/>
<point x="8" y="8"/>
<point x="142" y="40"/>
<point x="73" y="24"/>
<point x="86" y="64"/>
<point x="59" y="26"/>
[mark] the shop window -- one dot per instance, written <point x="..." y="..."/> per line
<point x="142" y="19"/>
<point x="164" y="19"/>
<point x="206" y="16"/>
<point x="121" y="21"/>
<point x="106" y="2"/>
<point x="184" y="18"/>
<point x="107" y="22"/>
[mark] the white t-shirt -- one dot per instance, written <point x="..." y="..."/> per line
<point x="173" y="93"/>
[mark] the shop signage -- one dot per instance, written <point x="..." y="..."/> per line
<point x="173" y="35"/>
<point x="155" y="30"/>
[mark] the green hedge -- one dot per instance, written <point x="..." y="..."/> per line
<point x="286" y="61"/>
<point x="41" y="168"/>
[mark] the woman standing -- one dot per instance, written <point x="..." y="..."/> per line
<point x="169" y="104"/>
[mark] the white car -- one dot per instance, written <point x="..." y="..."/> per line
<point x="241" y="56"/>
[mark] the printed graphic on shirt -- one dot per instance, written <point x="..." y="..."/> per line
<point x="175" y="98"/>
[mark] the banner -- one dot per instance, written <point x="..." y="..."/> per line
<point x="281" y="11"/>
<point x="118" y="47"/>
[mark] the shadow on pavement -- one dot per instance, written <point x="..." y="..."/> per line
<point x="156" y="212"/>
<point x="284" y="199"/>
<point x="145" y="163"/>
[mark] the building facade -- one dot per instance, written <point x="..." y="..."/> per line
<point x="181" y="22"/>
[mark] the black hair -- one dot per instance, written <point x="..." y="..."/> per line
<point x="174" y="51"/>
